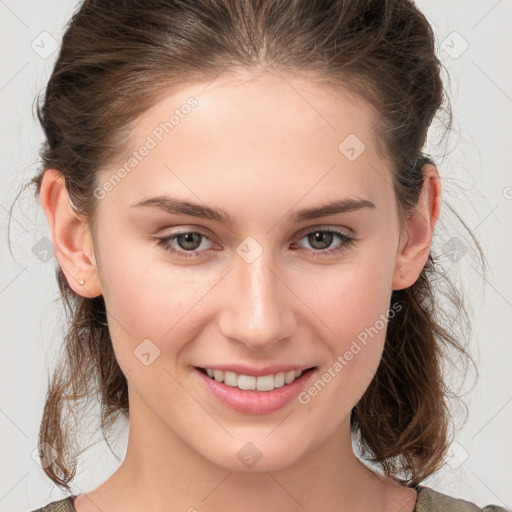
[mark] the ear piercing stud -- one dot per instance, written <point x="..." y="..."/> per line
<point x="81" y="281"/>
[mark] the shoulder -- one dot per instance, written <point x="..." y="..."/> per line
<point x="64" y="505"/>
<point x="433" y="501"/>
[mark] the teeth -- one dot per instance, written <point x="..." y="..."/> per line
<point x="289" y="377"/>
<point x="279" y="380"/>
<point x="249" y="382"/>
<point x="230" y="379"/>
<point x="246" y="382"/>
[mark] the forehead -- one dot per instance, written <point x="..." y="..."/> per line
<point x="265" y="105"/>
<point x="282" y="135"/>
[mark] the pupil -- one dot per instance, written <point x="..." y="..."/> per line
<point x="188" y="239"/>
<point x="323" y="237"/>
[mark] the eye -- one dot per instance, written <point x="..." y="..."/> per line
<point x="322" y="239"/>
<point x="187" y="244"/>
<point x="188" y="241"/>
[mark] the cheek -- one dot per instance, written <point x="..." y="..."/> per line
<point x="350" y="299"/>
<point x="149" y="298"/>
<point x="353" y="304"/>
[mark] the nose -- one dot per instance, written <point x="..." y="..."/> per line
<point x="258" y="306"/>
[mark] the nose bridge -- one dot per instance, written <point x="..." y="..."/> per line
<point x="259" y="312"/>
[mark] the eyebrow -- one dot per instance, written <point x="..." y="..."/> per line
<point x="178" y="207"/>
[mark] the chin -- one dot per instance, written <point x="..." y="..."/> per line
<point x="254" y="457"/>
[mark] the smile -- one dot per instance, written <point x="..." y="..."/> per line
<point x="251" y="394"/>
<point x="252" y="383"/>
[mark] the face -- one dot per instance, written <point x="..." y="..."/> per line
<point x="274" y="289"/>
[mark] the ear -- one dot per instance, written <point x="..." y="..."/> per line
<point x="414" y="249"/>
<point x="72" y="239"/>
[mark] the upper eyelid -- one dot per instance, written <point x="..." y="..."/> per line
<point x="301" y="234"/>
<point x="310" y="229"/>
<point x="205" y="232"/>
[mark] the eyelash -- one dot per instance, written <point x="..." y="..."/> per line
<point x="346" y="239"/>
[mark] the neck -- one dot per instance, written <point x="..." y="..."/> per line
<point x="161" y="472"/>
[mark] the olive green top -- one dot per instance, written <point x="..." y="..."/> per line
<point x="428" y="501"/>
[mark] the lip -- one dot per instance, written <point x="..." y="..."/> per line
<point x="241" y="369"/>
<point x="255" y="402"/>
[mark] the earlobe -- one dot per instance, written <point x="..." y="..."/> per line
<point x="72" y="238"/>
<point x="414" y="249"/>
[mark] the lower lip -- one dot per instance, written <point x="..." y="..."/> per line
<point x="255" y="402"/>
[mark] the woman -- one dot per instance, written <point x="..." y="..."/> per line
<point x="242" y="216"/>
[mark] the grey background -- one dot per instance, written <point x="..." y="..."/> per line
<point x="474" y="42"/>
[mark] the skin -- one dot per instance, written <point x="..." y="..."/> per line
<point x="260" y="147"/>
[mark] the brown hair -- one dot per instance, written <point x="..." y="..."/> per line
<point x="118" y="58"/>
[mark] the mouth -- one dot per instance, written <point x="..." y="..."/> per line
<point x="251" y="394"/>
<point x="260" y="383"/>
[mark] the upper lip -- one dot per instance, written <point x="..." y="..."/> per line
<point x="242" y="369"/>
